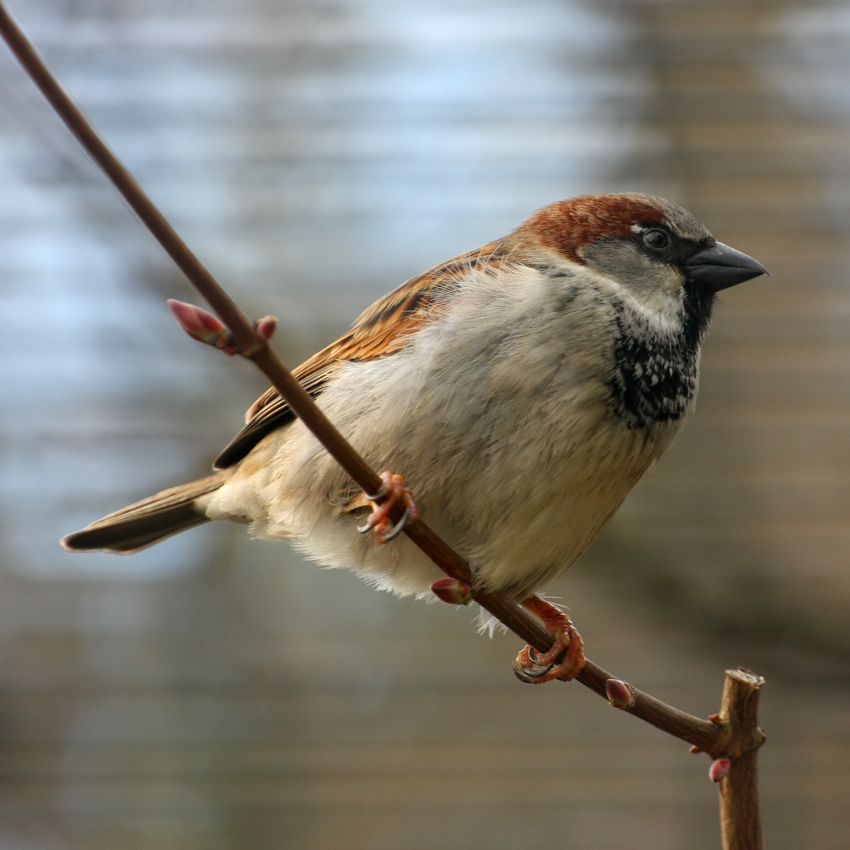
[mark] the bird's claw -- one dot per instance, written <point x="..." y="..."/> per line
<point x="397" y="528"/>
<point x="527" y="669"/>
<point x="563" y="660"/>
<point x="391" y="492"/>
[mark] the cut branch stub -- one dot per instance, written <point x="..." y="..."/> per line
<point x="739" y="712"/>
<point x="740" y="818"/>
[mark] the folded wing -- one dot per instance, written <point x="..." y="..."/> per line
<point x="382" y="330"/>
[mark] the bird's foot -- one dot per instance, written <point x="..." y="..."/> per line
<point x="538" y="669"/>
<point x="391" y="492"/>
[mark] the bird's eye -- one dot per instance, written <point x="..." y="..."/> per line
<point x="656" y="239"/>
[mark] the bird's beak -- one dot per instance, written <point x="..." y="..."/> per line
<point x="720" y="267"/>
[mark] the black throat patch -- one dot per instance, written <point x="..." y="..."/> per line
<point x="655" y="378"/>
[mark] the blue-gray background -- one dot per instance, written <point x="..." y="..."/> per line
<point x="217" y="692"/>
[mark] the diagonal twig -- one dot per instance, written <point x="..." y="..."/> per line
<point x="718" y="738"/>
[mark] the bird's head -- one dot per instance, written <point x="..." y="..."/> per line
<point x="653" y="248"/>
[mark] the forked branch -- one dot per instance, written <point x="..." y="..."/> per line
<point x="740" y="819"/>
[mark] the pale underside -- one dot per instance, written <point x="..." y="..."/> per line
<point x="517" y="461"/>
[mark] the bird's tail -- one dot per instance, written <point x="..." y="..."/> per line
<point x="149" y="521"/>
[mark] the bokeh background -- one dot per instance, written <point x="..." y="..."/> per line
<point x="217" y="692"/>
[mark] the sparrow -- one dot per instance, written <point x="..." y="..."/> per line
<point x="521" y="390"/>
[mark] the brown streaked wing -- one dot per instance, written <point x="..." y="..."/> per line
<point x="381" y="330"/>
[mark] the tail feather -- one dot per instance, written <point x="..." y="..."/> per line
<point x="147" y="522"/>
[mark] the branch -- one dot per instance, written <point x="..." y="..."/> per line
<point x="740" y="820"/>
<point x="719" y="738"/>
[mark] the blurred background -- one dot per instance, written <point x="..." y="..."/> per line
<point x="218" y="692"/>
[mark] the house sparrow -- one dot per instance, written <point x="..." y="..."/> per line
<point x="522" y="389"/>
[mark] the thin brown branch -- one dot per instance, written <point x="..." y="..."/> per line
<point x="716" y="739"/>
<point x="740" y="818"/>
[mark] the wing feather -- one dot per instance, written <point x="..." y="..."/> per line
<point x="380" y="331"/>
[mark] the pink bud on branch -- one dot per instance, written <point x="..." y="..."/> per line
<point x="266" y="327"/>
<point x="719" y="769"/>
<point x="619" y="693"/>
<point x="202" y="325"/>
<point x="452" y="591"/>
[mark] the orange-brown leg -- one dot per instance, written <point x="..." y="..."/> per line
<point x="392" y="491"/>
<point x="538" y="669"/>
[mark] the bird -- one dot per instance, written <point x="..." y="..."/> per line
<point x="514" y="395"/>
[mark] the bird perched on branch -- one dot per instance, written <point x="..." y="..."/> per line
<point x="521" y="389"/>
